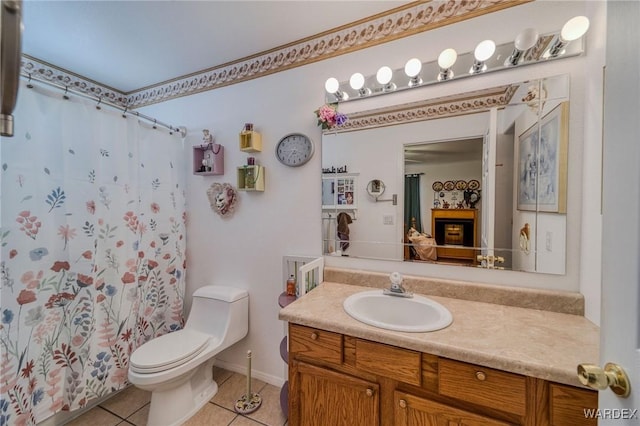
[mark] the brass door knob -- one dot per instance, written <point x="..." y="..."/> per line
<point x="612" y="376"/>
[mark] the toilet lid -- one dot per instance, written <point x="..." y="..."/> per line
<point x="168" y="351"/>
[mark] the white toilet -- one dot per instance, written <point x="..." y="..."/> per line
<point x="177" y="367"/>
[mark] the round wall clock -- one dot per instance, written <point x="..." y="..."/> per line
<point x="294" y="149"/>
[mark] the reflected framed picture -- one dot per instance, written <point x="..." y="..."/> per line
<point x="542" y="163"/>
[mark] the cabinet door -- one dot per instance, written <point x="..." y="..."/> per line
<point x="330" y="398"/>
<point x="414" y="411"/>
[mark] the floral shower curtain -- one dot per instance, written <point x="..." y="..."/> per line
<point x="93" y="251"/>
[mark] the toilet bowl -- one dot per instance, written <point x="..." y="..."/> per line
<point x="177" y="367"/>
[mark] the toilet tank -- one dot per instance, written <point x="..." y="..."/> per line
<point x="221" y="312"/>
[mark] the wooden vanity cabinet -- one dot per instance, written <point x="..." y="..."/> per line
<point x="337" y="379"/>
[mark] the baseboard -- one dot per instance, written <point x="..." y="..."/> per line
<point x="242" y="369"/>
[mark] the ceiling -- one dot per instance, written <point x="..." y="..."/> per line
<point x="128" y="45"/>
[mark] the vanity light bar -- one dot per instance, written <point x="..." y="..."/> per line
<point x="528" y="48"/>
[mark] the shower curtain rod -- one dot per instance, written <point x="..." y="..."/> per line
<point x="100" y="101"/>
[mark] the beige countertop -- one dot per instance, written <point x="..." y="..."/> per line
<point x="537" y="343"/>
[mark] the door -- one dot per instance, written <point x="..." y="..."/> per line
<point x="489" y="148"/>
<point x="411" y="410"/>
<point x="620" y="329"/>
<point x="330" y="398"/>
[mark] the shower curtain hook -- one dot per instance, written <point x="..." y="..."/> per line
<point x="154" y="124"/>
<point x="29" y="85"/>
<point x="64" y="96"/>
<point x="124" y="113"/>
<point x="98" y="105"/>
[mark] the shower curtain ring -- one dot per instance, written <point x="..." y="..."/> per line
<point x="154" y="124"/>
<point x="64" y="96"/>
<point x="99" y="102"/>
<point x="29" y="85"/>
<point x="124" y="113"/>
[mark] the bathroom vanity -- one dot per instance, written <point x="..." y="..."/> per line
<point x="494" y="365"/>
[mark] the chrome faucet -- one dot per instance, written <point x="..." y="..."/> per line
<point x="396" y="289"/>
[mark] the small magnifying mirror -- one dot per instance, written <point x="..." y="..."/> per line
<point x="375" y="188"/>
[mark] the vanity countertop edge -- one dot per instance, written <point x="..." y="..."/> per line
<point x="542" y="344"/>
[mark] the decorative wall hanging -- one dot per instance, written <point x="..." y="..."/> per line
<point x="223" y="198"/>
<point x="542" y="163"/>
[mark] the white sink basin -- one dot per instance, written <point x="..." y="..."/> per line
<point x="416" y="314"/>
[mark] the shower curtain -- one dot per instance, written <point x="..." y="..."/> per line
<point x="93" y="251"/>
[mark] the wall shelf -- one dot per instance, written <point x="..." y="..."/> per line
<point x="251" y="178"/>
<point x="214" y="154"/>
<point x="284" y="299"/>
<point x="284" y="399"/>
<point x="250" y="141"/>
<point x="284" y="351"/>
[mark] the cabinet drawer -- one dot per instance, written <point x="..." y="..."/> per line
<point x="568" y="405"/>
<point x="388" y="361"/>
<point x="482" y="386"/>
<point x="318" y="344"/>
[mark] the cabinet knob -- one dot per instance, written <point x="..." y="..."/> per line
<point x="481" y="376"/>
<point x="403" y="403"/>
<point x="369" y="392"/>
<point x="314" y="336"/>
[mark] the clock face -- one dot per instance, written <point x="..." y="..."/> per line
<point x="294" y="149"/>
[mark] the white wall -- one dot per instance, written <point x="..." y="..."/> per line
<point x="246" y="249"/>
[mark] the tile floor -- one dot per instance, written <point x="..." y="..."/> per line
<point x="131" y="406"/>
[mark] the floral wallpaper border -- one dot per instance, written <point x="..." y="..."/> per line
<point x="397" y="23"/>
<point x="447" y="106"/>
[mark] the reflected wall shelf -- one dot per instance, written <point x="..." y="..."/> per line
<point x="251" y="178"/>
<point x="339" y="191"/>
<point x="250" y="141"/>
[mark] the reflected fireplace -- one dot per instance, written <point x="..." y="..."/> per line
<point x="456" y="233"/>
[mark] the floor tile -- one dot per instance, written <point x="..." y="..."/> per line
<point x="221" y="375"/>
<point x="96" y="417"/>
<point x="127" y="401"/>
<point x="211" y="415"/>
<point x="139" y="418"/>
<point x="269" y="412"/>
<point x="233" y="389"/>
<point x="244" y="421"/>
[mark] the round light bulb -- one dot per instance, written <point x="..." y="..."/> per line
<point x="332" y="85"/>
<point x="447" y="58"/>
<point x="574" y="28"/>
<point x="412" y="67"/>
<point x="526" y="39"/>
<point x="484" y="50"/>
<point x="356" y="81"/>
<point x="384" y="75"/>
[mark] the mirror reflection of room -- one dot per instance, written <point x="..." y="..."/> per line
<point x="459" y="181"/>
<point x="442" y="200"/>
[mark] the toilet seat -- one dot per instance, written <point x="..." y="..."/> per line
<point x="168" y="351"/>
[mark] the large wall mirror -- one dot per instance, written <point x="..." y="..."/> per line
<point x="476" y="180"/>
